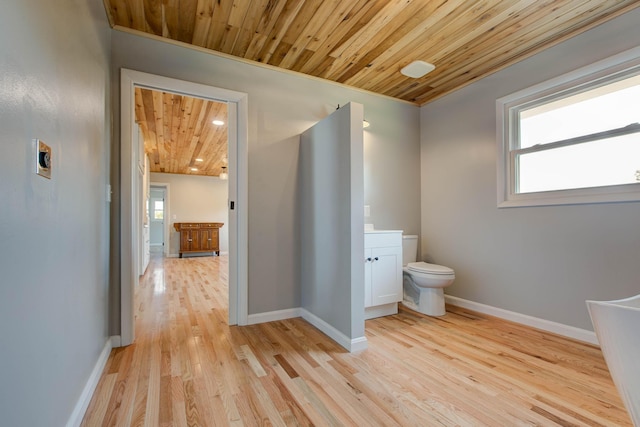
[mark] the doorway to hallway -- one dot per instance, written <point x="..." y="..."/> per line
<point x="158" y="201"/>
<point x="237" y="185"/>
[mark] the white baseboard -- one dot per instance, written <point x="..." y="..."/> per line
<point x="358" y="344"/>
<point x="351" y="344"/>
<point x="535" y="322"/>
<point x="116" y="341"/>
<point x="273" y="316"/>
<point x="87" y="393"/>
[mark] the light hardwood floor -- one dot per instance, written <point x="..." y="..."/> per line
<point x="189" y="368"/>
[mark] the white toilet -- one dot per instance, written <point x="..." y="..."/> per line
<point x="423" y="283"/>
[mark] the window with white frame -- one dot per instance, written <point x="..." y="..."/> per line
<point x="575" y="139"/>
<point x="158" y="210"/>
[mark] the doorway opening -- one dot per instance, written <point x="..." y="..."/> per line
<point x="158" y="209"/>
<point x="237" y="186"/>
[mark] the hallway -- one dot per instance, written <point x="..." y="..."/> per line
<point x="189" y="368"/>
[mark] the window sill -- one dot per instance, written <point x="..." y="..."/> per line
<point x="628" y="193"/>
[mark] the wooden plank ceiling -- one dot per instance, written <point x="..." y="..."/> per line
<point x="365" y="43"/>
<point x="179" y="134"/>
<point x="361" y="43"/>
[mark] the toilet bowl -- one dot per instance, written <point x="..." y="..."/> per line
<point x="423" y="283"/>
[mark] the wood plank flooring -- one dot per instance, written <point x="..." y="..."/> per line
<point x="189" y="368"/>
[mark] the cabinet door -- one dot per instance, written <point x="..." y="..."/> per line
<point x="215" y="239"/>
<point x="386" y="275"/>
<point x="186" y="240"/>
<point x="206" y="239"/>
<point x="196" y="240"/>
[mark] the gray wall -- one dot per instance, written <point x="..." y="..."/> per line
<point x="54" y="86"/>
<point x="281" y="106"/>
<point x="392" y="166"/>
<point x="540" y="261"/>
<point x="332" y="220"/>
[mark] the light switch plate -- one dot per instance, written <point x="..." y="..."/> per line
<point x="43" y="159"/>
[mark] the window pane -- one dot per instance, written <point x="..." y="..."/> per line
<point x="158" y="209"/>
<point x="607" y="107"/>
<point x="605" y="162"/>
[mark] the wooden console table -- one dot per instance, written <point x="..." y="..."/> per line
<point x="198" y="236"/>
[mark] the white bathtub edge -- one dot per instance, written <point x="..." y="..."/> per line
<point x="535" y="322"/>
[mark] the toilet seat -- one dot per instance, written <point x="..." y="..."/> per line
<point x="424" y="267"/>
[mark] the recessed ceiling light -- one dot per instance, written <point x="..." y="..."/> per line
<point x="199" y="160"/>
<point x="218" y="122"/>
<point x="417" y="69"/>
<point x="194" y="169"/>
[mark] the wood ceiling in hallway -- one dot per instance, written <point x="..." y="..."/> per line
<point x="365" y="43"/>
<point x="179" y="134"/>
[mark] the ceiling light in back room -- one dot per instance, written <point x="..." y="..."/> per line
<point x="417" y="69"/>
<point x="218" y="122"/>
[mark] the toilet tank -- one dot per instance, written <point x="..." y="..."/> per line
<point x="409" y="249"/>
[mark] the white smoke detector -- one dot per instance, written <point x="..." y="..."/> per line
<point x="417" y="69"/>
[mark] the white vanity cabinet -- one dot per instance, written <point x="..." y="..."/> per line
<point x="382" y="272"/>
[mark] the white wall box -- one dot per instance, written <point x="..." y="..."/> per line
<point x="382" y="273"/>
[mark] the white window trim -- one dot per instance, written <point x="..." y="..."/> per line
<point x="507" y="197"/>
